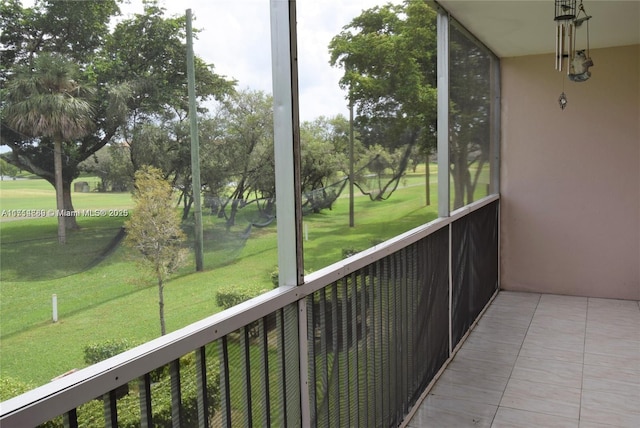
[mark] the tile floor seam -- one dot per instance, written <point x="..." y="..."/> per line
<point x="584" y="349"/>
<point x="516" y="360"/>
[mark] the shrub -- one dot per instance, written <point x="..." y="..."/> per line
<point x="92" y="412"/>
<point x="96" y="352"/>
<point x="129" y="406"/>
<point x="228" y="297"/>
<point x="348" y="252"/>
<point x="275" y="276"/>
<point x="10" y="387"/>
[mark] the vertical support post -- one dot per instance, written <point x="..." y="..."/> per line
<point x="110" y="409"/>
<point x="495" y="125"/>
<point x="284" y="57"/>
<point x="176" y="394"/>
<point x="195" y="148"/>
<point x="287" y="140"/>
<point x="354" y="379"/>
<point x="305" y="409"/>
<point x="146" y="416"/>
<point x="54" y="304"/>
<point x="342" y="354"/>
<point x="201" y="382"/>
<point x="225" y="386"/>
<point x="245" y="392"/>
<point x="266" y="392"/>
<point x="70" y="419"/>
<point x="365" y="310"/>
<point x="450" y="281"/>
<point x="443" y="113"/>
<point x="351" y="161"/>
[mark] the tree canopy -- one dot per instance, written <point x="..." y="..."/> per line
<point x="388" y="54"/>
<point x="137" y="67"/>
<point x="47" y="101"/>
<point x="469" y="135"/>
<point x="388" y="57"/>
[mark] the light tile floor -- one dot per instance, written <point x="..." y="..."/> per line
<point x="540" y="360"/>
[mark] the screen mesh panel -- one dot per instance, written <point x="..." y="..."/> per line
<point x="474" y="266"/>
<point x="378" y="336"/>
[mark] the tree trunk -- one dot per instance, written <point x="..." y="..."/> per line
<point x="163" y="329"/>
<point x="454" y="174"/>
<point x="428" y="180"/>
<point x="237" y="195"/>
<point x="459" y="159"/>
<point x="57" y="166"/>
<point x="70" y="221"/>
<point x="187" y="201"/>
<point x="470" y="187"/>
<point x="458" y="186"/>
<point x="476" y="177"/>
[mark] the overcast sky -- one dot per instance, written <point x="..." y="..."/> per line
<point x="235" y="38"/>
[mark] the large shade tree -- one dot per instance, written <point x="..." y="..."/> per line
<point x="388" y="57"/>
<point x="148" y="50"/>
<point x="46" y="102"/>
<point x="137" y="67"/>
<point x="469" y="131"/>
<point x="246" y="145"/>
<point x="69" y="32"/>
<point x="324" y="168"/>
<point x="237" y="157"/>
<point x="166" y="146"/>
<point x="388" y="54"/>
<point x="157" y="127"/>
<point x="112" y="165"/>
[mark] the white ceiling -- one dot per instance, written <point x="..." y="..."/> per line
<point x="526" y="27"/>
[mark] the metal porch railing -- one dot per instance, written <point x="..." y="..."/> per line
<point x="356" y="345"/>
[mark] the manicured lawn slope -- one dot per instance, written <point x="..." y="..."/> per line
<point x="106" y="294"/>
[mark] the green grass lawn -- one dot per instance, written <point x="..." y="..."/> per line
<point x="38" y="194"/>
<point x="116" y="298"/>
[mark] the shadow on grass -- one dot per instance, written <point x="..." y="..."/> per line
<point x="223" y="246"/>
<point x="328" y="243"/>
<point x="89" y="304"/>
<point x="38" y="259"/>
<point x="29" y="250"/>
<point x="26" y="259"/>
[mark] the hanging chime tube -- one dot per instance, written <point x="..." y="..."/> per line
<point x="569" y="48"/>
<point x="562" y="30"/>
<point x="557" y="42"/>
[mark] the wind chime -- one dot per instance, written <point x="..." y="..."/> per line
<point x="575" y="61"/>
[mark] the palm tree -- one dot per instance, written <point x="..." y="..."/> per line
<point x="46" y="101"/>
